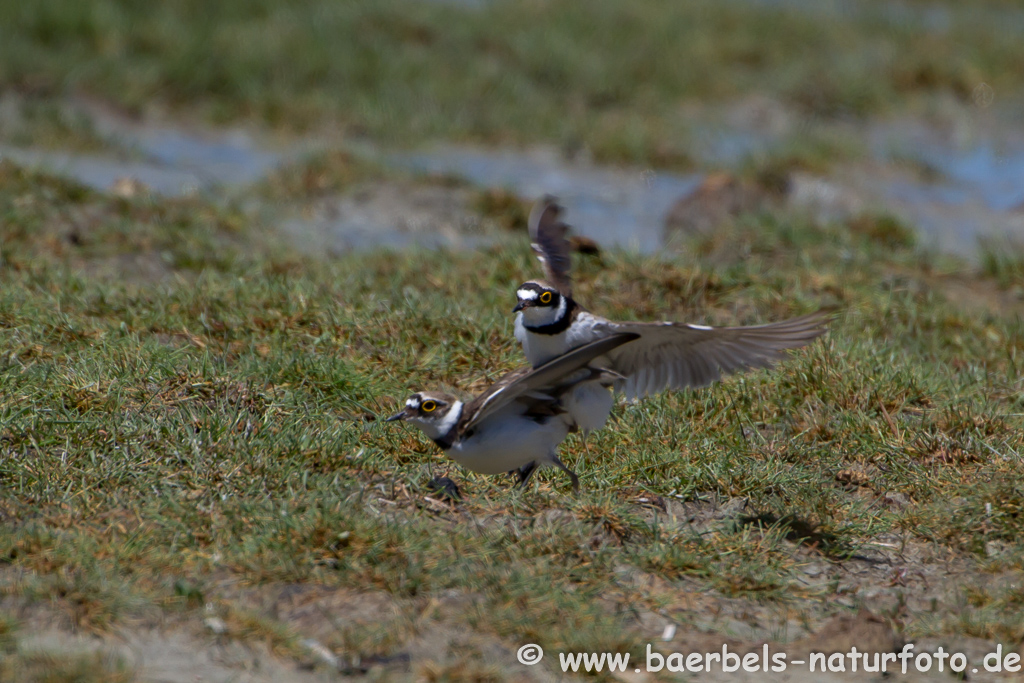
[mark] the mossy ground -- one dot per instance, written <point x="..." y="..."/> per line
<point x="188" y="406"/>
<point x="217" y="425"/>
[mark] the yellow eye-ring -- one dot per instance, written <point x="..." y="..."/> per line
<point x="545" y="298"/>
<point x="428" y="406"/>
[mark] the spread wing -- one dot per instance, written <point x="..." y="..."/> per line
<point x="678" y="355"/>
<point x="551" y="377"/>
<point x="549" y="236"/>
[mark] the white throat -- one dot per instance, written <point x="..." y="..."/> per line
<point x="539" y="316"/>
<point x="435" y="429"/>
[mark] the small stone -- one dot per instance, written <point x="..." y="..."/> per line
<point x="994" y="548"/>
<point x="813" y="570"/>
<point x="321" y="652"/>
<point x="896" y="500"/>
<point x="126" y="187"/>
<point x="216" y="625"/>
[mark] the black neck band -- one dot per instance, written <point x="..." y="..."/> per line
<point x="560" y="325"/>
<point x="445" y="441"/>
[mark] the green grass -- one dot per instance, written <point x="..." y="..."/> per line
<point x="618" y="78"/>
<point x="45" y="122"/>
<point x="219" y="421"/>
<point x="1003" y="261"/>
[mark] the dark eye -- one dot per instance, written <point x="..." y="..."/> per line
<point x="545" y="298"/>
<point x="428" y="406"/>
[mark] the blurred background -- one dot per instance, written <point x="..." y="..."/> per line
<point x="650" y="120"/>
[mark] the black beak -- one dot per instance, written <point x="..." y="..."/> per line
<point x="397" y="416"/>
<point x="519" y="306"/>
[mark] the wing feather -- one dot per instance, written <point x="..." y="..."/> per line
<point x="532" y="382"/>
<point x="678" y="355"/>
<point x="549" y="236"/>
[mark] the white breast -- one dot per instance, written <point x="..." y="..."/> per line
<point x="540" y="348"/>
<point x="589" y="405"/>
<point x="506" y="441"/>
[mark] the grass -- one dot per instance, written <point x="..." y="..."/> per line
<point x="621" y="80"/>
<point x="1003" y="261"/>
<point x="47" y="123"/>
<point x="321" y="175"/>
<point x="220" y="420"/>
<point x="60" y="667"/>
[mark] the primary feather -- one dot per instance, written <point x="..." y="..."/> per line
<point x="549" y="237"/>
<point x="681" y="355"/>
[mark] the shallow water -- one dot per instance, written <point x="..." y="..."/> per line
<point x="615" y="207"/>
<point x="985" y="166"/>
<point x="970" y="187"/>
<point x="996" y="178"/>
<point x="102" y="172"/>
<point x="169" y="161"/>
<point x="973" y="186"/>
<point x="228" y="160"/>
<point x="947" y="218"/>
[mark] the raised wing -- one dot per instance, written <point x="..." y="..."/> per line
<point x="678" y="355"/>
<point x="528" y="381"/>
<point x="549" y="236"/>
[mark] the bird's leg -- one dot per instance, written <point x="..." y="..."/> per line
<point x="572" y="475"/>
<point x="524" y="473"/>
